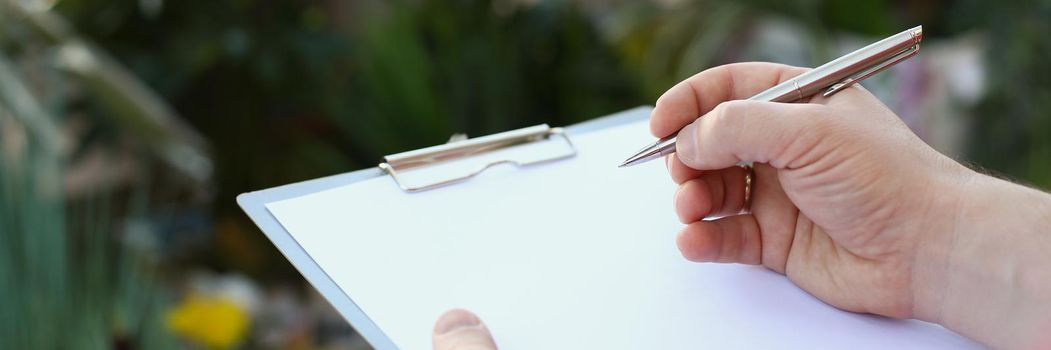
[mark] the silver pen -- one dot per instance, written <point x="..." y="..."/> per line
<point x="831" y="77"/>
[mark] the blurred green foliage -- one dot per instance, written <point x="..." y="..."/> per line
<point x="63" y="269"/>
<point x="65" y="281"/>
<point x="293" y="90"/>
<point x="1012" y="133"/>
<point x="288" y="91"/>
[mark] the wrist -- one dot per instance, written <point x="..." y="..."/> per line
<point x="935" y="243"/>
<point x="987" y="274"/>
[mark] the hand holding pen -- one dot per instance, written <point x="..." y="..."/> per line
<point x="847" y="203"/>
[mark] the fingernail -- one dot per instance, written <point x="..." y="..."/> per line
<point x="685" y="146"/>
<point x="455" y="319"/>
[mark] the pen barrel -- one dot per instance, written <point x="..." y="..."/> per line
<point x="834" y="76"/>
<point x="830" y="73"/>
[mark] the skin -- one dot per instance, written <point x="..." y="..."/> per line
<point x="851" y="206"/>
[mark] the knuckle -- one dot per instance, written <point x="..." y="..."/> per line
<point x="730" y="117"/>
<point x="734" y="107"/>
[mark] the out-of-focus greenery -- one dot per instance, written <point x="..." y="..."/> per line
<point x="69" y="284"/>
<point x="289" y="91"/>
<point x="64" y="281"/>
<point x="1012" y="133"/>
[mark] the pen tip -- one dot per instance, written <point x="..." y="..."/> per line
<point x="631" y="162"/>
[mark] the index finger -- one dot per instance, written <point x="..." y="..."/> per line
<point x="699" y="94"/>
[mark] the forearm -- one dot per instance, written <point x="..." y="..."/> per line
<point x="996" y="286"/>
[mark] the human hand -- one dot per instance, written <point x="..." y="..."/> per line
<point x="847" y="202"/>
<point x="460" y="329"/>
<point x="854" y="208"/>
<point x="850" y="205"/>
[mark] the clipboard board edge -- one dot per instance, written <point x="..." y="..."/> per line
<point x="254" y="205"/>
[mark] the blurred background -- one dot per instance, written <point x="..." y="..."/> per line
<point x="127" y="127"/>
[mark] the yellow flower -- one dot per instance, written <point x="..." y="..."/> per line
<point x="213" y="322"/>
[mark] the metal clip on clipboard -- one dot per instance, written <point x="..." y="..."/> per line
<point x="458" y="161"/>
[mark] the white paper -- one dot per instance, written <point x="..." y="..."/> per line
<point x="574" y="254"/>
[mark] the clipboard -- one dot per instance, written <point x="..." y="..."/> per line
<point x="254" y="204"/>
<point x="656" y="298"/>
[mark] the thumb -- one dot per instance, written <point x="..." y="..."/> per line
<point x="780" y="134"/>
<point x="460" y="329"/>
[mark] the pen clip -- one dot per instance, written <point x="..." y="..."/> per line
<point x="876" y="68"/>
